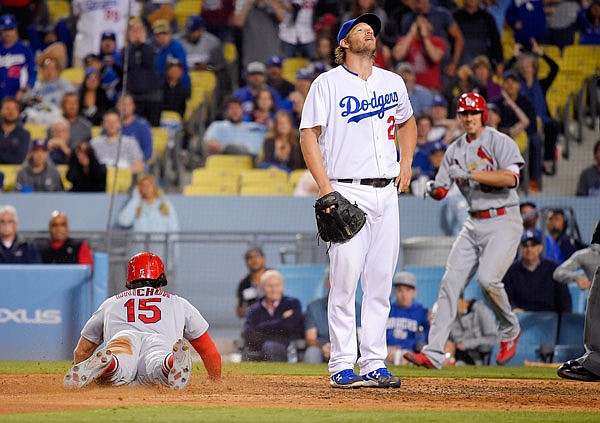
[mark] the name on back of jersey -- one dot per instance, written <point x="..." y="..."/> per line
<point x="144" y="292"/>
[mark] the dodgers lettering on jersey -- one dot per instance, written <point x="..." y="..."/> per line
<point x="491" y="151"/>
<point x="406" y="326"/>
<point x="358" y="121"/>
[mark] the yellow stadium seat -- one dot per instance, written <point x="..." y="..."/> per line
<point x="96" y="130"/>
<point x="584" y="60"/>
<point x="216" y="176"/>
<point x="210" y="190"/>
<point x="185" y="8"/>
<point x="74" y="75"/>
<point x="292" y="65"/>
<point x="269" y="189"/>
<point x="230" y="52"/>
<point x="10" y="175"/>
<point x="264" y="177"/>
<point x="168" y="116"/>
<point x="229" y="161"/>
<point x="124" y="178"/>
<point x="63" y="169"/>
<point x="295" y="176"/>
<point x="160" y="139"/>
<point x="206" y="81"/>
<point x="58" y="9"/>
<point x="37" y="130"/>
<point x="554" y="53"/>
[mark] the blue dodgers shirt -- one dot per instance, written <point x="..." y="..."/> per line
<point x="406" y="326"/>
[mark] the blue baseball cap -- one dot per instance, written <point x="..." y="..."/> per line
<point x="511" y="74"/>
<point x="370" y="19"/>
<point x="304" y="74"/>
<point x="7" y="21"/>
<point x="439" y="100"/>
<point x="274" y="61"/>
<point x="437" y="146"/>
<point x="194" y="23"/>
<point x="531" y="236"/>
<point x="108" y="35"/>
<point x="39" y="143"/>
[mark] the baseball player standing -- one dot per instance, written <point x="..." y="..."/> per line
<point x="485" y="165"/>
<point x="349" y="125"/>
<point x="143" y="329"/>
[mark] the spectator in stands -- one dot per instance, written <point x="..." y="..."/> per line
<point x="508" y="118"/>
<point x="110" y="74"/>
<point x="106" y="146"/>
<point x="589" y="179"/>
<point x="263" y="108"/>
<point x="436" y="155"/>
<point x="272" y="323"/>
<point x="420" y="164"/>
<point x="275" y="77"/>
<point x="44" y="99"/>
<point x="23" y="12"/>
<point x="296" y="30"/>
<point x="588" y="21"/>
<point x="562" y="22"/>
<point x="256" y="73"/>
<point x="259" y="22"/>
<point x="217" y="16"/>
<point x="14" y="139"/>
<point x="316" y="328"/>
<point x="424" y="51"/>
<point x="232" y="135"/>
<point x="482" y="71"/>
<point x="530" y="215"/>
<point x="495" y="119"/>
<point x="497" y="9"/>
<point x="249" y="290"/>
<point x="444" y="26"/>
<point x="169" y="47"/>
<point x="92" y="98"/>
<point x="442" y="128"/>
<point x="527" y="20"/>
<point x="92" y="18"/>
<point x="148" y="209"/>
<point x="536" y="89"/>
<point x="395" y="11"/>
<point x="58" y="141"/>
<point x="109" y="54"/>
<point x="175" y="95"/>
<point x="420" y="97"/>
<point x="473" y="333"/>
<point x="282" y="145"/>
<point x="324" y="52"/>
<point x="14" y="57"/>
<point x="53" y="49"/>
<point x="134" y="125"/>
<point x="586" y="260"/>
<point x="60" y="248"/>
<point x="480" y="34"/>
<point x="80" y="128"/>
<point x="38" y="173"/>
<point x="14" y="250"/>
<point x="557" y="227"/>
<point x="529" y="283"/>
<point x="204" y="50"/>
<point x="408" y="323"/>
<point x="143" y="80"/>
<point x="85" y="172"/>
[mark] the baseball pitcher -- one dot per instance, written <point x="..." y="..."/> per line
<point x="485" y="165"/>
<point x="143" y="328"/>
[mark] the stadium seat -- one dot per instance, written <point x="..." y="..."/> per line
<point x="10" y="175"/>
<point x="229" y="161"/>
<point x="554" y="53"/>
<point x="62" y="169"/>
<point x="37" y="130"/>
<point x="292" y="65"/>
<point x="262" y="177"/>
<point x="190" y="190"/>
<point x="295" y="176"/>
<point x="74" y="75"/>
<point x="58" y="9"/>
<point x="303" y="281"/>
<point x="268" y="189"/>
<point x="160" y="139"/>
<point x="96" y="130"/>
<point x="230" y="52"/>
<point x="578" y="298"/>
<point x="124" y="179"/>
<point x="204" y="176"/>
<point x="185" y="8"/>
<point x="538" y="329"/>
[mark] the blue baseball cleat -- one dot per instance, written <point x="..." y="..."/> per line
<point x="381" y="378"/>
<point x="346" y="379"/>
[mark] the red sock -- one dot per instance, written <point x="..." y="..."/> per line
<point x="167" y="364"/>
<point x="112" y="366"/>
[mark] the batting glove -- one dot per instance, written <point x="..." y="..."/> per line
<point x="429" y="187"/>
<point x="457" y="172"/>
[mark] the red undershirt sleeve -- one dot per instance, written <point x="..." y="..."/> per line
<point x="211" y="357"/>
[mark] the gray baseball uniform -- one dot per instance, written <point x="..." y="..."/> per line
<point x="488" y="241"/>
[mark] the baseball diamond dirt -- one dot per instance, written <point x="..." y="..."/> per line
<point x="45" y="393"/>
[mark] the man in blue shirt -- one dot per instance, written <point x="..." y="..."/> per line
<point x="168" y="47"/>
<point x="14" y="58"/>
<point x="408" y="323"/>
<point x="135" y="126"/>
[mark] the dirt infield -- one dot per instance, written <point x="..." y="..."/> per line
<point x="37" y="393"/>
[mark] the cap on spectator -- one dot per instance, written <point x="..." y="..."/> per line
<point x="439" y="100"/>
<point x="493" y="107"/>
<point x="39" y="143"/>
<point x="256" y="67"/>
<point x="405" y="67"/>
<point x="325" y="22"/>
<point x="319" y="68"/>
<point x="274" y="61"/>
<point x="511" y="74"/>
<point x="370" y="19"/>
<point x="7" y="21"/>
<point x="173" y="61"/>
<point x="194" y="23"/>
<point x="89" y="57"/>
<point x="437" y="146"/>
<point x="161" y="26"/>
<point x="90" y="70"/>
<point x="108" y="35"/>
<point x="304" y="74"/>
<point x="406" y="279"/>
<point x="531" y="236"/>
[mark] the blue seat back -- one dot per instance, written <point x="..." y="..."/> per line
<point x="570" y="330"/>
<point x="303" y="281"/>
<point x="537" y="328"/>
<point x="578" y="298"/>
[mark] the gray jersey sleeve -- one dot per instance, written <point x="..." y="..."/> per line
<point x="195" y="324"/>
<point x="506" y="151"/>
<point x="93" y="330"/>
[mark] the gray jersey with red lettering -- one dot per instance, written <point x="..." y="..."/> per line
<point x="492" y="150"/>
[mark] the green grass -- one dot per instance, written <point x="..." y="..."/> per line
<point x="487" y="372"/>
<point x="230" y="414"/>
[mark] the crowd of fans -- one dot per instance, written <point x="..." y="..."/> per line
<point x="440" y="50"/>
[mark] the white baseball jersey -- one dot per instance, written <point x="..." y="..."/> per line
<point x="97" y="16"/>
<point x="492" y="150"/>
<point x="357" y="120"/>
<point x="147" y="310"/>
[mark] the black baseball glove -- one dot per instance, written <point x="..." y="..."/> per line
<point x="342" y="222"/>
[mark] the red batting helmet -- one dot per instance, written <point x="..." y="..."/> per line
<point x="144" y="269"/>
<point x="472" y="102"/>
